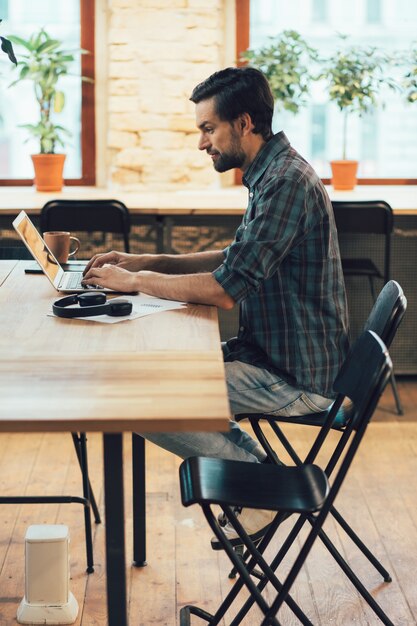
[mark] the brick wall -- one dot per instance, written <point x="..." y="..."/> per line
<point x="158" y="50"/>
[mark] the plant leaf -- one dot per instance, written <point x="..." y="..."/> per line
<point x="7" y="47"/>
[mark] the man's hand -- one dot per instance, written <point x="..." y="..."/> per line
<point x="120" y="259"/>
<point x="110" y="276"/>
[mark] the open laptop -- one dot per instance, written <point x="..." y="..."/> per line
<point x="67" y="282"/>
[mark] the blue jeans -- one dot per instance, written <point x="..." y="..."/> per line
<point x="251" y="390"/>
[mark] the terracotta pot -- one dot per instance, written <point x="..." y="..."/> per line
<point x="48" y="171"/>
<point x="344" y="174"/>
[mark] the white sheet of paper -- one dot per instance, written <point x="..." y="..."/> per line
<point x="142" y="305"/>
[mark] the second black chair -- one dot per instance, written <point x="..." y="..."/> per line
<point x="370" y="218"/>
<point x="104" y="216"/>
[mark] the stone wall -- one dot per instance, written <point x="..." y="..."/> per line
<point x="158" y="50"/>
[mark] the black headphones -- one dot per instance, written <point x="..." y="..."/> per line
<point x="91" y="304"/>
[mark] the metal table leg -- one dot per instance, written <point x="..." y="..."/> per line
<point x="115" y="532"/>
<point x="139" y="500"/>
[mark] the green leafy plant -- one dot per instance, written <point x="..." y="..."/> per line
<point x="410" y="79"/>
<point x="7" y="48"/>
<point x="355" y="76"/>
<point x="286" y="63"/>
<point x="45" y="63"/>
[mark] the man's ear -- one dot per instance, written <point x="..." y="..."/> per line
<point x="246" y="125"/>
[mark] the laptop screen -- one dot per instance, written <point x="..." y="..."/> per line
<point x="37" y="246"/>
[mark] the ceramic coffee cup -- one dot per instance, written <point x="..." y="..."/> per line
<point x="59" y="242"/>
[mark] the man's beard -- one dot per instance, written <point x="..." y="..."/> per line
<point x="234" y="157"/>
<point x="228" y="160"/>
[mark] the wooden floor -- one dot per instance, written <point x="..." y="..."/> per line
<point x="379" y="498"/>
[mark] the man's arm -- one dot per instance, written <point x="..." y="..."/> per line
<point x="164" y="263"/>
<point x="200" y="288"/>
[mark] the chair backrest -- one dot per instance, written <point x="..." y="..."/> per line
<point x="105" y="216"/>
<point x="364" y="373"/>
<point x="362" y="378"/>
<point x="353" y="380"/>
<point x="366" y="217"/>
<point x="387" y="312"/>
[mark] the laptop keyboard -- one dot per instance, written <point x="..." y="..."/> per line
<point x="72" y="280"/>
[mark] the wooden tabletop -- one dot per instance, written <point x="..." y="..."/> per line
<point x="160" y="372"/>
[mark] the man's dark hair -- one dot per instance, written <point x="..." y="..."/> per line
<point x="239" y="90"/>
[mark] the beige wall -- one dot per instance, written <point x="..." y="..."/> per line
<point x="150" y="55"/>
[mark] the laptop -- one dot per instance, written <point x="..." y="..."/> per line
<point x="64" y="281"/>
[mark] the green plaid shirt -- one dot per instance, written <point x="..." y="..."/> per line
<point x="284" y="269"/>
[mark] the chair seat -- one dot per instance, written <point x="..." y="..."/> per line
<point x="312" y="419"/>
<point x="253" y="485"/>
<point x="360" y="267"/>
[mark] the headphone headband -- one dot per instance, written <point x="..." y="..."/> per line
<point x="91" y="304"/>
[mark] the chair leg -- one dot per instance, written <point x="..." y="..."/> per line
<point x="362" y="547"/>
<point x="372" y="287"/>
<point x="87" y="511"/>
<point x="354" y="579"/>
<point x="398" y="404"/>
<point x="348" y="530"/>
<point x="246" y="570"/>
<point x="76" y="441"/>
<point x="187" y="611"/>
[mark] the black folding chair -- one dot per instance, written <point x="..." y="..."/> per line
<point x="88" y="216"/>
<point x="384" y="320"/>
<point x="370" y="218"/>
<point x="302" y="490"/>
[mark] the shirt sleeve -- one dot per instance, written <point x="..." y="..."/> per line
<point x="278" y="224"/>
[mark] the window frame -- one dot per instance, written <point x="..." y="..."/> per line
<point x="242" y="43"/>
<point x="88" y="131"/>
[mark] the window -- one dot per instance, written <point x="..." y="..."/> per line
<point x="384" y="141"/>
<point x="72" y="22"/>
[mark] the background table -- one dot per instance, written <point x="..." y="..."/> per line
<point x="189" y="220"/>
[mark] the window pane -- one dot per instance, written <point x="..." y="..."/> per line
<point x="61" y="20"/>
<point x="373" y="11"/>
<point x="319" y="10"/>
<point x="384" y="141"/>
<point x="4" y="9"/>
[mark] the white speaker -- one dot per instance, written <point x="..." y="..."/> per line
<point x="47" y="599"/>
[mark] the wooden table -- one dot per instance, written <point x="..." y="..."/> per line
<point x="163" y="372"/>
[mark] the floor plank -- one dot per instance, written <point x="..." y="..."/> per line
<point x="378" y="499"/>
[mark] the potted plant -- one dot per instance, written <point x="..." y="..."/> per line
<point x="286" y="62"/>
<point x="44" y="62"/>
<point x="354" y="75"/>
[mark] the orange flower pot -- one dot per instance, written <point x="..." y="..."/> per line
<point x="48" y="171"/>
<point x="344" y="174"/>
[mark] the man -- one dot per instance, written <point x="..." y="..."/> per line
<point x="283" y="268"/>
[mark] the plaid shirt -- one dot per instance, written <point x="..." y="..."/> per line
<point x="284" y="269"/>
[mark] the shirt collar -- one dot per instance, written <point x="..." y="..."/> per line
<point x="266" y="154"/>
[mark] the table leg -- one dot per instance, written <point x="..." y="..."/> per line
<point x="139" y="500"/>
<point x="115" y="532"/>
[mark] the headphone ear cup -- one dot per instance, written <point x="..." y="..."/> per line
<point x="91" y="299"/>
<point x="117" y="308"/>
